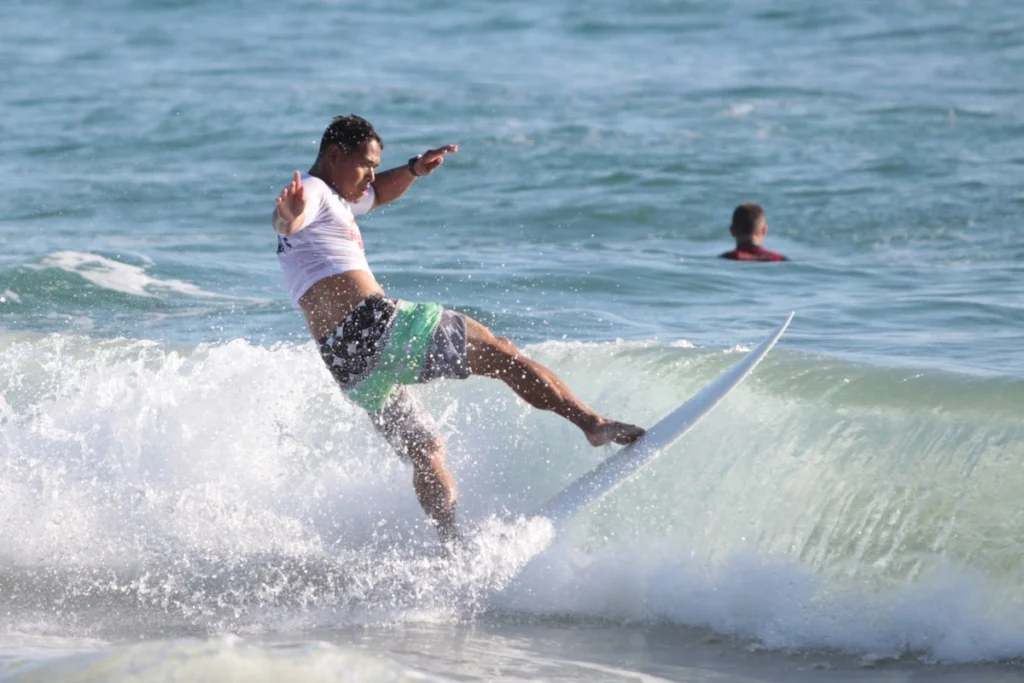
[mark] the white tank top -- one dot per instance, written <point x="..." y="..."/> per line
<point x="329" y="241"/>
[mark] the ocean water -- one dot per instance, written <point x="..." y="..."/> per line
<point x="185" y="495"/>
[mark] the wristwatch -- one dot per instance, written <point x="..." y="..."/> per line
<point x="412" y="166"/>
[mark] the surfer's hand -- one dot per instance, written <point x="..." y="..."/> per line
<point x="428" y="162"/>
<point x="290" y="206"/>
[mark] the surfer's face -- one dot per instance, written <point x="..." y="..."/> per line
<point x="352" y="172"/>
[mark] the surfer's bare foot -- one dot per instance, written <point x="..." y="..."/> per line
<point x="609" y="431"/>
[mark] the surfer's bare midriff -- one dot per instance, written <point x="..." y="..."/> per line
<point x="330" y="299"/>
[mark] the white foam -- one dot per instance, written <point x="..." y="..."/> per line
<point x="738" y="111"/>
<point x="945" y="616"/>
<point x="117" y="276"/>
<point x="222" y="658"/>
<point x="785" y="520"/>
<point x="200" y="448"/>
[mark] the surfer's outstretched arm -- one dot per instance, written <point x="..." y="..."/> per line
<point x="498" y="358"/>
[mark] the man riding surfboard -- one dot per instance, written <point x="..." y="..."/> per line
<point x="374" y="345"/>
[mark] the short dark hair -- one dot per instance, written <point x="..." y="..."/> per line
<point x="746" y="219"/>
<point x="349" y="133"/>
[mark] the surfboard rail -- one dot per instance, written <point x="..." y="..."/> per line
<point x="618" y="467"/>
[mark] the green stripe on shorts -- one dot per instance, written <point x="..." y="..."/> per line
<point x="403" y="357"/>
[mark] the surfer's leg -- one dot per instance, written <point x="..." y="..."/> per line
<point x="434" y="485"/>
<point x="412" y="432"/>
<point x="498" y="358"/>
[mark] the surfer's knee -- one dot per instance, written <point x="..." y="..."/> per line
<point x="489" y="355"/>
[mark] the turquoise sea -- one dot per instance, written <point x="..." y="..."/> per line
<point x="185" y="495"/>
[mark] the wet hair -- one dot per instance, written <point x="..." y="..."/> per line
<point x="746" y="219"/>
<point x="349" y="133"/>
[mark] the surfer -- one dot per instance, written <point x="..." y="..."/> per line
<point x="374" y="345"/>
<point x="749" y="227"/>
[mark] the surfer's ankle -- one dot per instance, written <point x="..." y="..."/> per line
<point x="598" y="434"/>
<point x="444" y="522"/>
<point x="449" y="536"/>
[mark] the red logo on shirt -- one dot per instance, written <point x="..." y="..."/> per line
<point x="356" y="236"/>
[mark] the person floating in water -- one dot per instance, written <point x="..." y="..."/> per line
<point x="374" y="345"/>
<point x="749" y="227"/>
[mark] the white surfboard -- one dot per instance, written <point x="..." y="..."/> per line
<point x="617" y="468"/>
